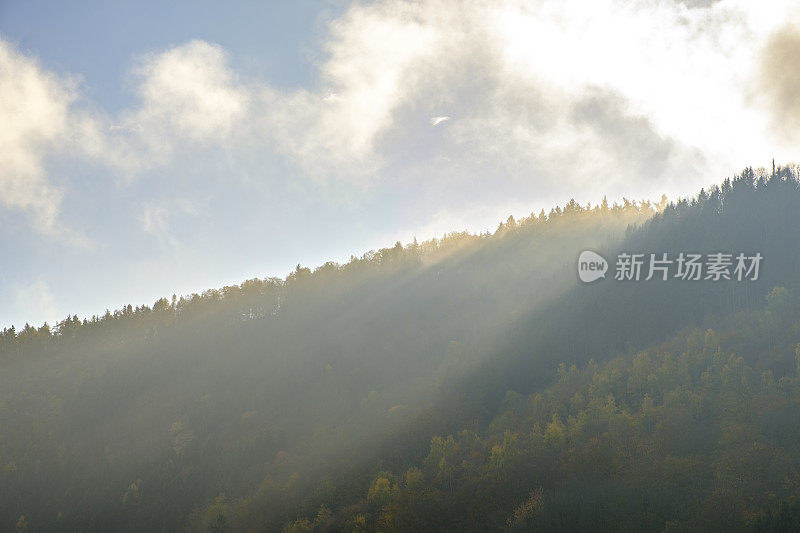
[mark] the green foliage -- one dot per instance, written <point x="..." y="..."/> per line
<point x="684" y="435"/>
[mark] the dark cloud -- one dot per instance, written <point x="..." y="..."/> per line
<point x="632" y="140"/>
<point x="779" y="79"/>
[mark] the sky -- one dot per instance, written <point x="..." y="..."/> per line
<point x="148" y="149"/>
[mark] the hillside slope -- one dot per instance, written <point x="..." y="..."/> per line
<point x="700" y="433"/>
<point x="134" y="419"/>
<point x="405" y="388"/>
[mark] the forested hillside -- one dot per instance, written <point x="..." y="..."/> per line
<point x="467" y="383"/>
<point x="699" y="433"/>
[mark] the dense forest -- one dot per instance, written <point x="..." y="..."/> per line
<point x="469" y="383"/>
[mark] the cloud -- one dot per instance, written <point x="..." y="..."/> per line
<point x="158" y="217"/>
<point x="557" y="96"/>
<point x="698" y="3"/>
<point x="40" y="120"/>
<point x="188" y="96"/>
<point x="552" y="98"/>
<point x="372" y="59"/>
<point x="34" y="109"/>
<point x="779" y="79"/>
<point x="628" y="143"/>
<point x="35" y="302"/>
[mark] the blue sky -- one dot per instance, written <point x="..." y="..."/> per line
<point x="147" y="150"/>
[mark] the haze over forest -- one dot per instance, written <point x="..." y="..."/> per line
<point x="320" y="266"/>
<point x="467" y="383"/>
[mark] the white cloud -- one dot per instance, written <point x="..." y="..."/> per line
<point x="373" y="55"/>
<point x="553" y="98"/>
<point x="683" y="69"/>
<point x="561" y="96"/>
<point x="191" y="91"/>
<point x="34" y="106"/>
<point x="39" y="119"/>
<point x="188" y="96"/>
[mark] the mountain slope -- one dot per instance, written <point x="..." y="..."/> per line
<point x="698" y="433"/>
<point x="325" y="400"/>
<point x="134" y="419"/>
